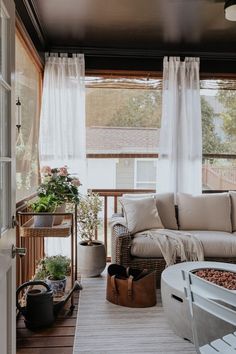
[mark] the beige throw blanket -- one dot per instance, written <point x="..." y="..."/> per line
<point x="172" y="243"/>
<point x="175" y="244"/>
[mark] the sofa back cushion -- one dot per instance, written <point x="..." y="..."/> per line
<point x="165" y="206"/>
<point x="204" y="212"/>
<point x="233" y="209"/>
<point x="141" y="214"/>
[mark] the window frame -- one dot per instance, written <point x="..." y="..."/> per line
<point x="136" y="160"/>
<point x="29" y="47"/>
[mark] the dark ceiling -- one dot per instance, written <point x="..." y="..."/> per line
<point x="127" y="33"/>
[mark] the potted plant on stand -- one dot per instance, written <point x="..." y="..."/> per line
<point x="54" y="270"/>
<point x="91" y="253"/>
<point x="63" y="186"/>
<point x="44" y="204"/>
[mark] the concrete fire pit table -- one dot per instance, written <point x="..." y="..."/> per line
<point x="176" y="306"/>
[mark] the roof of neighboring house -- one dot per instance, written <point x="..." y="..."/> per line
<point x="122" y="140"/>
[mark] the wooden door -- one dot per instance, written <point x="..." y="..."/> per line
<point x="7" y="177"/>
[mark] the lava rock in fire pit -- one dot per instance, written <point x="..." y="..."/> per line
<point x="220" y="277"/>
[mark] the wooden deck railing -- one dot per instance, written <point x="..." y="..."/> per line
<point x="219" y="177"/>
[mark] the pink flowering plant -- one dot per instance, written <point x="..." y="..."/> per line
<point x="60" y="184"/>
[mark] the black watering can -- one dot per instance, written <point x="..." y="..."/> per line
<point x="40" y="311"/>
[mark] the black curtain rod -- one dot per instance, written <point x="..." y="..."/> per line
<point x="139" y="54"/>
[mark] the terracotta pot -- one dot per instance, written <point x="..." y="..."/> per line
<point x="91" y="259"/>
<point x="59" y="218"/>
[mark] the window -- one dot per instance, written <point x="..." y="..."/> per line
<point x="218" y="99"/>
<point x="145" y="173"/>
<point x="123" y="121"/>
<point x="28" y="90"/>
<point x="122" y="124"/>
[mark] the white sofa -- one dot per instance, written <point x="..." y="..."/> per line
<point x="210" y="217"/>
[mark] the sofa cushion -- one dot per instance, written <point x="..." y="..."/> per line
<point x="215" y="244"/>
<point x="233" y="209"/>
<point x="145" y="247"/>
<point x="165" y="206"/>
<point x="210" y="212"/>
<point x="141" y="214"/>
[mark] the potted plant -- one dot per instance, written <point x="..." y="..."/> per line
<point x="44" y="204"/>
<point x="91" y="253"/>
<point x="54" y="270"/>
<point x="59" y="183"/>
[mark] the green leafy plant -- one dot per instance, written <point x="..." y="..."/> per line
<point x="54" y="267"/>
<point x="59" y="183"/>
<point x="46" y="204"/>
<point x="87" y="217"/>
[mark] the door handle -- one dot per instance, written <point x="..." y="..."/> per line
<point x="21" y="251"/>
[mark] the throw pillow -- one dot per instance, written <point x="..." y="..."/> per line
<point x="165" y="206"/>
<point x="141" y="214"/>
<point x="204" y="212"/>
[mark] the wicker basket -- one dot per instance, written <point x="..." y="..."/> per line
<point x="62" y="230"/>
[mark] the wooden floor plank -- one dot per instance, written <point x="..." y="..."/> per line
<point x="54" y="331"/>
<point x="65" y="322"/>
<point x="68" y="350"/>
<point x="60" y="322"/>
<point x="47" y="342"/>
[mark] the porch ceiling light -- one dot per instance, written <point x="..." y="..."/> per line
<point x="230" y="10"/>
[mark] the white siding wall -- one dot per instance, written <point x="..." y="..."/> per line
<point x="125" y="174"/>
<point x="101" y="173"/>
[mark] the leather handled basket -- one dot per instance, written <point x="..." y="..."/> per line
<point x="130" y="287"/>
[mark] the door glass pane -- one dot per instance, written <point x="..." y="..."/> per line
<point x="5" y="41"/>
<point x="4" y="121"/>
<point x="4" y="195"/>
<point x="1" y="40"/>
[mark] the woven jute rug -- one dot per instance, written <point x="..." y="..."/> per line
<point x="104" y="328"/>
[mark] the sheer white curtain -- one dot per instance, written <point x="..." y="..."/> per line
<point x="62" y="124"/>
<point x="180" y="149"/>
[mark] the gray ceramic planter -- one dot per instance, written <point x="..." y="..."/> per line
<point x="43" y="220"/>
<point x="91" y="259"/>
